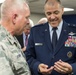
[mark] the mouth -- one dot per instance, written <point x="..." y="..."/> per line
<point x="53" y="20"/>
<point x="54" y="23"/>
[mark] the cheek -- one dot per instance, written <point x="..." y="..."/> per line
<point x="59" y="17"/>
<point x="49" y="18"/>
<point x="24" y="21"/>
<point x="19" y="22"/>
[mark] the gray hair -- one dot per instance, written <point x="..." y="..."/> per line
<point x="11" y="5"/>
<point x="56" y="0"/>
<point x="42" y="20"/>
<point x="52" y="2"/>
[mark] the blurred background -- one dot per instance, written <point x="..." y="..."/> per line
<point x="37" y="10"/>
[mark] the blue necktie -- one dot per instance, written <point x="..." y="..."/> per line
<point x="54" y="38"/>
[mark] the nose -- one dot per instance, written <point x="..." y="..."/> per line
<point x="52" y="16"/>
<point x="28" y="31"/>
<point x="28" y="22"/>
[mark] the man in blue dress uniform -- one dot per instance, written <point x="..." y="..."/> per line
<point x="44" y="58"/>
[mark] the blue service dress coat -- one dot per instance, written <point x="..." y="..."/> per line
<point x="39" y="49"/>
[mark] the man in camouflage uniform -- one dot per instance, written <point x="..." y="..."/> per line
<point x="13" y="21"/>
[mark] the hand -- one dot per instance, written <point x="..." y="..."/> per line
<point x="24" y="49"/>
<point x="62" y="67"/>
<point x="44" y="69"/>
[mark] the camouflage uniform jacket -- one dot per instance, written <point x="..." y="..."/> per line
<point x="12" y="59"/>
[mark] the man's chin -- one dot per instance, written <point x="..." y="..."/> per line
<point x="54" y="24"/>
<point x="20" y="33"/>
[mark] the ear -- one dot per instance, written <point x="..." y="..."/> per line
<point x="62" y="10"/>
<point x="14" y="17"/>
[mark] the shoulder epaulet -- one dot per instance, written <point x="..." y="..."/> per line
<point x="72" y="25"/>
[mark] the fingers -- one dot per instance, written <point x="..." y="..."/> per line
<point x="44" y="69"/>
<point x="24" y="49"/>
<point x="59" y="66"/>
<point x="62" y="67"/>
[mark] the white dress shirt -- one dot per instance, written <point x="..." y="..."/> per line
<point x="58" y="30"/>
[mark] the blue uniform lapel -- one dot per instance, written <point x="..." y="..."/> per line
<point x="47" y="36"/>
<point x="63" y="37"/>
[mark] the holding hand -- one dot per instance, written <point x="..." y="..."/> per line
<point x="24" y="49"/>
<point x="62" y="67"/>
<point x="44" y="69"/>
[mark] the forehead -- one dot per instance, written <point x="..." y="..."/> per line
<point x="52" y="6"/>
<point x="26" y="10"/>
